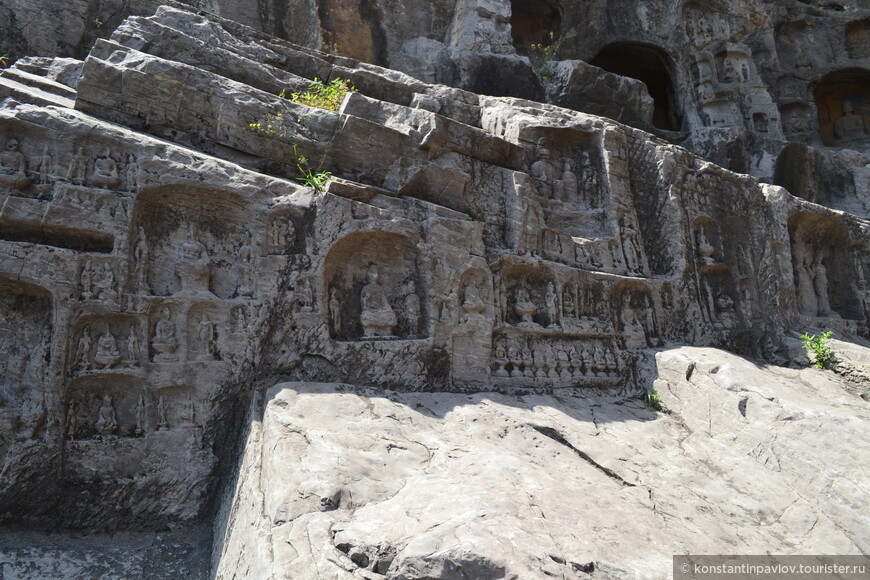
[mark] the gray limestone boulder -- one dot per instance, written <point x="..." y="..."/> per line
<point x="343" y="482"/>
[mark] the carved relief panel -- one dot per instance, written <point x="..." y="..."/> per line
<point x="187" y="244"/>
<point x="25" y="355"/>
<point x="373" y="290"/>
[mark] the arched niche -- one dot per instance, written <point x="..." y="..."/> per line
<point x="650" y="65"/>
<point x="282" y="234"/>
<point x="707" y="239"/>
<point x="100" y="405"/>
<point x="858" y="38"/>
<point x="192" y="240"/>
<point x="530" y="296"/>
<point x="843" y="103"/>
<point x="475" y="293"/>
<point x="635" y="314"/>
<point x="535" y="22"/>
<point x="792" y="170"/>
<point x="106" y="343"/>
<point x="823" y="269"/>
<point x="352" y="265"/>
<point x="26" y="315"/>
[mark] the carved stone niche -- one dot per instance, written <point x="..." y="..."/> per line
<point x="96" y="407"/>
<point x="577" y="190"/>
<point x="701" y="23"/>
<point x="798" y="118"/>
<point x="734" y="66"/>
<point x="173" y="409"/>
<point x="98" y="281"/>
<point x="194" y="246"/>
<point x="281" y="234"/>
<point x="25" y="348"/>
<point x="858" y="38"/>
<point x="475" y="295"/>
<point x="13" y="167"/>
<point x="824" y="272"/>
<point x="801" y="48"/>
<point x="584" y="307"/>
<point x="722" y="112"/>
<point x="373" y="290"/>
<point x="471" y="339"/>
<point x="719" y="298"/>
<point x="707" y="242"/>
<point x="106" y="344"/>
<point x="843" y="103"/>
<point x="206" y="327"/>
<point x="703" y="69"/>
<point x="530" y="297"/>
<point x="635" y="314"/>
<point x="167" y="341"/>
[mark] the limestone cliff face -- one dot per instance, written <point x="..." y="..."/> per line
<point x="161" y="270"/>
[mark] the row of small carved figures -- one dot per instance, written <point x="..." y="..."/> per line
<point x="104" y="171"/>
<point x="106" y="423"/>
<point x="549" y="362"/>
<point x="107" y="354"/>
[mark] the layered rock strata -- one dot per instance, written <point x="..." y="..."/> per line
<point x="161" y="269"/>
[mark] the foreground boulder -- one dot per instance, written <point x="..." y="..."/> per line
<point x="346" y="482"/>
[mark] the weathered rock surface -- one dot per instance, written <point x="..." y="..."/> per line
<point x="345" y="482"/>
<point x="161" y="268"/>
<point x="739" y="83"/>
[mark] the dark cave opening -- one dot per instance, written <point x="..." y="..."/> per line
<point x="535" y="22"/>
<point x="843" y="102"/>
<point x="649" y="65"/>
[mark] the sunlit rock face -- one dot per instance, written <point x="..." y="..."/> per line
<point x="163" y="268"/>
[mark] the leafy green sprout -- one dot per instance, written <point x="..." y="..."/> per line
<point x="326" y="96"/>
<point x="819" y="346"/>
<point x="542" y="53"/>
<point x="653" y="400"/>
<point x="316" y="180"/>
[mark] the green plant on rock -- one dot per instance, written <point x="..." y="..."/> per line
<point x="275" y="126"/>
<point x="272" y="125"/>
<point x="4" y="61"/>
<point x="327" y="96"/>
<point x="542" y="53"/>
<point x="316" y="180"/>
<point x="819" y="346"/>
<point x="653" y="400"/>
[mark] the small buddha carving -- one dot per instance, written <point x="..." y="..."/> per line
<point x="165" y="343"/>
<point x="107" y="354"/>
<point x="13" y="167"/>
<point x="377" y="317"/>
<point x="194" y="266"/>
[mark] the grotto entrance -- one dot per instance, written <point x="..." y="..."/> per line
<point x="843" y="102"/>
<point x="649" y="65"/>
<point x="535" y="22"/>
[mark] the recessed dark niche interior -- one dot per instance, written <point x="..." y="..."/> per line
<point x="843" y="102"/>
<point x="535" y="22"/>
<point x="649" y="65"/>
